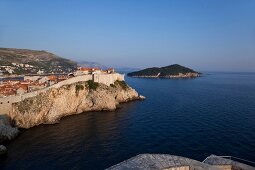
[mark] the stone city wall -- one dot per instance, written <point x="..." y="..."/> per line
<point x="107" y="79"/>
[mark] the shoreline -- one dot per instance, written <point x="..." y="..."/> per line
<point x="50" y="105"/>
<point x="176" y="76"/>
<point x="167" y="77"/>
<point x="18" y="130"/>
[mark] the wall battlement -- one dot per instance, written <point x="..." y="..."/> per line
<point x="107" y="79"/>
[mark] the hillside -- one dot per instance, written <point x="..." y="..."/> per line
<point x="24" y="61"/>
<point x="171" y="71"/>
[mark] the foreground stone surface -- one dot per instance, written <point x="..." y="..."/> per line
<point x="172" y="162"/>
<point x="161" y="161"/>
<point x="228" y="163"/>
<point x="7" y="132"/>
<point x="49" y="107"/>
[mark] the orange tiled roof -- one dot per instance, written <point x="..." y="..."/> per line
<point x="52" y="78"/>
<point x="85" y="69"/>
<point x="89" y="69"/>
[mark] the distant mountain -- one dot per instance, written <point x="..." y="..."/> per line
<point x="171" y="71"/>
<point x="91" y="64"/>
<point x="24" y="61"/>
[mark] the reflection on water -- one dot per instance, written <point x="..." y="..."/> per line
<point x="78" y="134"/>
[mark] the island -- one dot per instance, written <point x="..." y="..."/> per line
<point x="171" y="71"/>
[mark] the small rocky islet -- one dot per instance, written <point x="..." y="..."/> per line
<point x="171" y="71"/>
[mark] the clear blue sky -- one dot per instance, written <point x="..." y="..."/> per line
<point x="207" y="35"/>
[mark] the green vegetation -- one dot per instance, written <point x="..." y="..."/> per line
<point x="78" y="87"/>
<point x="92" y="85"/>
<point x="4" y="63"/>
<point x="164" y="71"/>
<point x="112" y="85"/>
<point x="122" y="84"/>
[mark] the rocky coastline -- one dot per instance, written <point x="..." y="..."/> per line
<point x="51" y="106"/>
<point x="7" y="131"/>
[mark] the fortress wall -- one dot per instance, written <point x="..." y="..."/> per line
<point x="6" y="102"/>
<point x="107" y="78"/>
<point x="72" y="80"/>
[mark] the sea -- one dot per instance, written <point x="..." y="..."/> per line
<point x="212" y="114"/>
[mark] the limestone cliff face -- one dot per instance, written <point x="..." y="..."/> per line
<point x="49" y="107"/>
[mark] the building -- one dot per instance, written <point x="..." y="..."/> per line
<point x="86" y="71"/>
<point x="110" y="70"/>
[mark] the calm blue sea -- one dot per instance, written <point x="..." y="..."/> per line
<point x="213" y="114"/>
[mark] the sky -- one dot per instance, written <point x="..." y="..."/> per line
<point x="206" y="35"/>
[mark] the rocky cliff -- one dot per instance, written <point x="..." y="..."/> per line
<point x="7" y="132"/>
<point x="49" y="107"/>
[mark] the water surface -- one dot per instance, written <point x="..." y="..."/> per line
<point x="213" y="114"/>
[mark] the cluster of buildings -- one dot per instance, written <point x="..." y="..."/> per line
<point x="19" y="68"/>
<point x="11" y="68"/>
<point x="29" y="83"/>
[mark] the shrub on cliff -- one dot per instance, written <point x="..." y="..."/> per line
<point x="92" y="85"/>
<point x="78" y="87"/>
<point x="112" y="85"/>
<point x="122" y="84"/>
